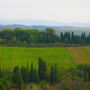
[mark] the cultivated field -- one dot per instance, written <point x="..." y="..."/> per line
<point x="64" y="56"/>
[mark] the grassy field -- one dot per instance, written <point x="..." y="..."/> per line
<point x="64" y="56"/>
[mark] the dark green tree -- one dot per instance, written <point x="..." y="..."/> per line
<point x="50" y="31"/>
<point x="72" y="37"/>
<point x="83" y="37"/>
<point x="17" y="78"/>
<point x="42" y="69"/>
<point x="32" y="73"/>
<point x="36" y="76"/>
<point x="25" y="74"/>
<point x="55" y="74"/>
<point x="52" y="76"/>
<point x="2" y="86"/>
<point x="88" y="38"/>
<point x="61" y="37"/>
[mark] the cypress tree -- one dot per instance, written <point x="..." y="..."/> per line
<point x="25" y="74"/>
<point x="36" y="76"/>
<point x="42" y="69"/>
<point x="55" y="74"/>
<point x="52" y="75"/>
<point x="17" y="78"/>
<point x="61" y="37"/>
<point x="31" y="73"/>
<point x="72" y="37"/>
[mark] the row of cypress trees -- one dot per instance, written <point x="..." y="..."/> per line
<point x="24" y="75"/>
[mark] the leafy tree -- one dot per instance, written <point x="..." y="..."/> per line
<point x="50" y="31"/>
<point x="27" y="37"/>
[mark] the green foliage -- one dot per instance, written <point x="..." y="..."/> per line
<point x="25" y="74"/>
<point x="85" y="71"/>
<point x="17" y="77"/>
<point x="20" y="75"/>
<point x="53" y="75"/>
<point x="50" y="31"/>
<point x="32" y="73"/>
<point x="19" y="37"/>
<point x="66" y="40"/>
<point x="66" y="86"/>
<point x="42" y="69"/>
<point x="61" y="37"/>
<point x="2" y="87"/>
<point x="36" y="76"/>
<point x="83" y="88"/>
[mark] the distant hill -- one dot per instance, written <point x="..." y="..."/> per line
<point x="58" y="29"/>
<point x="2" y="27"/>
<point x="77" y="28"/>
<point x="30" y="22"/>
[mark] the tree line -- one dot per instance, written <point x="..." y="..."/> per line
<point x="24" y="77"/>
<point x="28" y="37"/>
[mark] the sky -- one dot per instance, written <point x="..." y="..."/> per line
<point x="55" y="10"/>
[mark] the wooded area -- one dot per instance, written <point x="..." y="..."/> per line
<point x="28" y="37"/>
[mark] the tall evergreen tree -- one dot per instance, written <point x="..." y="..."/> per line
<point x="17" y="78"/>
<point x="61" y="37"/>
<point x="32" y="73"/>
<point x="36" y="76"/>
<point x="25" y="74"/>
<point x="52" y="75"/>
<point x="72" y="37"/>
<point x="83" y="37"/>
<point x="42" y="69"/>
<point x="88" y="38"/>
<point x="55" y="73"/>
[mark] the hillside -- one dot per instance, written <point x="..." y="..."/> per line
<point x="33" y="22"/>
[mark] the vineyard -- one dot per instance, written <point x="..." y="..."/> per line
<point x="63" y="56"/>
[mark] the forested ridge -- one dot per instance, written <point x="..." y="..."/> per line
<point x="28" y="37"/>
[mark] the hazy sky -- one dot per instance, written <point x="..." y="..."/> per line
<point x="56" y="10"/>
